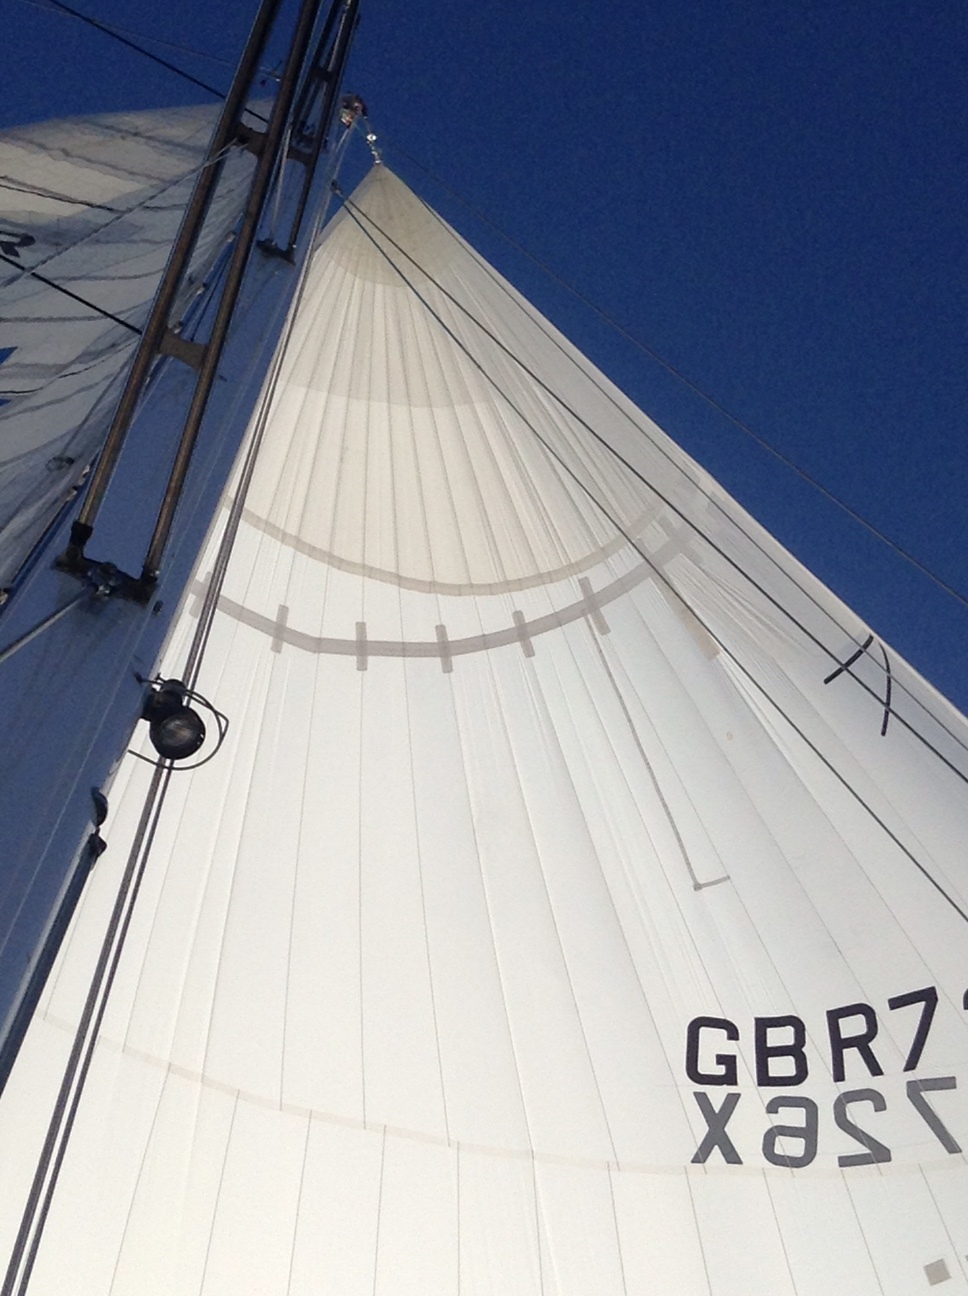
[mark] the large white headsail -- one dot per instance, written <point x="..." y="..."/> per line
<point x="89" y="207"/>
<point x="561" y="916"/>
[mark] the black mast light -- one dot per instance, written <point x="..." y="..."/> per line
<point x="176" y="731"/>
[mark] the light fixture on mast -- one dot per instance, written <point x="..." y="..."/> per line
<point x="176" y="730"/>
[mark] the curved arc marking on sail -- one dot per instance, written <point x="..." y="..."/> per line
<point x="521" y="632"/>
<point x="318" y="554"/>
<point x="518" y="632"/>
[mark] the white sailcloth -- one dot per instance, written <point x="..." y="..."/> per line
<point x="89" y="207"/>
<point x="557" y="919"/>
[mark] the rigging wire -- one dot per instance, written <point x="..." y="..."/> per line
<point x="516" y="359"/>
<point x="100" y="310"/>
<point x="694" y="387"/>
<point x="37" y="1207"/>
<point x="118" y="34"/>
<point x="140" y="49"/>
<point x="115" y="28"/>
<point x="660" y="574"/>
<point x="36" y="191"/>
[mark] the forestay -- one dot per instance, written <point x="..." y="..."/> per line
<point x="560" y="917"/>
<point x="89" y="207"/>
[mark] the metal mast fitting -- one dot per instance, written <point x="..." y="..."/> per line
<point x="316" y="109"/>
<point x="315" y="79"/>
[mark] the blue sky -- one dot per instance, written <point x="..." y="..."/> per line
<point x="772" y="196"/>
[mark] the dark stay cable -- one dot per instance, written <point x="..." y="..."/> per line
<point x="154" y="40"/>
<point x="140" y="49"/>
<point x="117" y="35"/>
<point x="35" y="274"/>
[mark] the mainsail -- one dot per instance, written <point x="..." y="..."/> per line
<point x="89" y="207"/>
<point x="577" y="904"/>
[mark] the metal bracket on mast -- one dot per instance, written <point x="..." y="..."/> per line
<point x="315" y="111"/>
<point x="182" y="348"/>
<point x="252" y="140"/>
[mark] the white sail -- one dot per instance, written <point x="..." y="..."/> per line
<point x="559" y="917"/>
<point x="89" y="207"/>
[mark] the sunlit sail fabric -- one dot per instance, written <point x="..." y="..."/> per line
<point x="578" y="903"/>
<point x="89" y="207"/>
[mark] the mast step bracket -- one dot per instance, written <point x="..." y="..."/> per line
<point x="250" y="139"/>
<point x="104" y="578"/>
<point x="269" y="248"/>
<point x="182" y="348"/>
